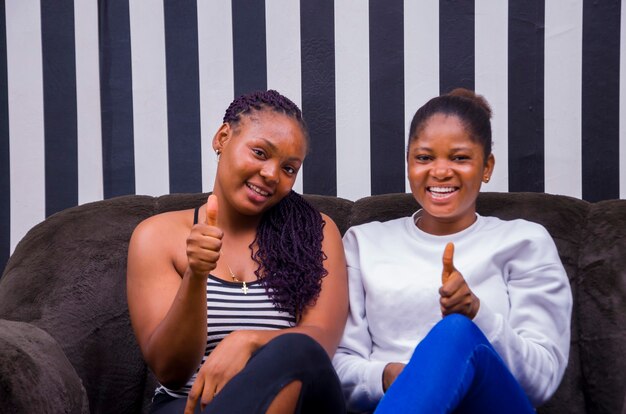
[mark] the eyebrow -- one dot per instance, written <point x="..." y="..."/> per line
<point x="269" y="143"/>
<point x="274" y="148"/>
<point x="456" y="149"/>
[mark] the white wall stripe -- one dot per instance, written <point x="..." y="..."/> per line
<point x="421" y="57"/>
<point x="147" y="36"/>
<point x="622" y="105"/>
<point x="563" y="97"/>
<point x="284" y="71"/>
<point x="26" y="126"/>
<point x="491" y="80"/>
<point x="215" y="54"/>
<point x="89" y="129"/>
<point x="352" y="98"/>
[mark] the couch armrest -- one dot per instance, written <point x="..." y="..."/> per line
<point x="35" y="374"/>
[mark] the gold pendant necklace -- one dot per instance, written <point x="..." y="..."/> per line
<point x="244" y="288"/>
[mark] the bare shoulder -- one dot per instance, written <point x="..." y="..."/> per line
<point x="330" y="223"/>
<point x="332" y="243"/>
<point x="332" y="235"/>
<point x="170" y="221"/>
<point x="161" y="237"/>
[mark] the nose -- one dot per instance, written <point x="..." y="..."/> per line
<point x="269" y="172"/>
<point x="441" y="170"/>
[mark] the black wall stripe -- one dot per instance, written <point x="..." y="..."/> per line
<point x="116" y="99"/>
<point x="526" y="95"/>
<point x="317" y="44"/>
<point x="59" y="104"/>
<point x="249" y="48"/>
<point x="387" y="141"/>
<point x="456" y="45"/>
<point x="5" y="178"/>
<point x="183" y="96"/>
<point x="600" y="99"/>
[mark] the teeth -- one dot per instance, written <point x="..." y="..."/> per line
<point x="441" y="189"/>
<point x="258" y="190"/>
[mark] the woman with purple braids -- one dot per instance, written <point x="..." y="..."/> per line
<point x="239" y="304"/>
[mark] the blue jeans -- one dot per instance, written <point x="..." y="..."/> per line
<point x="455" y="370"/>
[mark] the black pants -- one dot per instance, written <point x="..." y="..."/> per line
<point x="286" y="358"/>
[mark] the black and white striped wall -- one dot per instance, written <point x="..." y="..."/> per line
<point x="102" y="98"/>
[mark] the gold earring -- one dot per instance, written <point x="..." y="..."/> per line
<point x="486" y="180"/>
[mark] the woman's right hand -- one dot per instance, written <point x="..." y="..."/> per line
<point x="205" y="241"/>
<point x="227" y="359"/>
<point x="455" y="294"/>
<point x="390" y="373"/>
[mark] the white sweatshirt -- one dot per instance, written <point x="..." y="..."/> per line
<point x="394" y="272"/>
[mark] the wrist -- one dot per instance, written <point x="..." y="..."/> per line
<point x="475" y="307"/>
<point x="250" y="339"/>
<point x="195" y="276"/>
<point x="390" y="373"/>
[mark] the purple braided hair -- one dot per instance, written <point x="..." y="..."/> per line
<point x="263" y="100"/>
<point x="289" y="254"/>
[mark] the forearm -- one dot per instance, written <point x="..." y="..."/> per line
<point x="361" y="380"/>
<point x="258" y="338"/>
<point x="176" y="346"/>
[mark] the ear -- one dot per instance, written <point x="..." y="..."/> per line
<point x="221" y="137"/>
<point x="488" y="170"/>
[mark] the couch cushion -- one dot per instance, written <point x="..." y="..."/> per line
<point x="68" y="277"/>
<point x="35" y="375"/>
<point x="602" y="306"/>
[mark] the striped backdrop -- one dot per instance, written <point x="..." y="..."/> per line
<point x="105" y="98"/>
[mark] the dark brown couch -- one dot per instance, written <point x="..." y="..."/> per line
<point x="66" y="344"/>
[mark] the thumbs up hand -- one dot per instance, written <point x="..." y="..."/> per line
<point x="211" y="210"/>
<point x="448" y="263"/>
<point x="205" y="241"/>
<point x="455" y="294"/>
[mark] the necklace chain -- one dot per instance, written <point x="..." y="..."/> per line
<point x="244" y="287"/>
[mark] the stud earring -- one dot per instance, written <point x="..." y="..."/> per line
<point x="486" y="180"/>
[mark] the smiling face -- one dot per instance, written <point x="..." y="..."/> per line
<point x="260" y="159"/>
<point x="445" y="169"/>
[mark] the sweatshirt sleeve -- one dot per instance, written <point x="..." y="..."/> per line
<point x="534" y="339"/>
<point x="360" y="377"/>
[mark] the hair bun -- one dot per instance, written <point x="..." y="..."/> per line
<point x="478" y="100"/>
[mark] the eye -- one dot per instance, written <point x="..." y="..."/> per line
<point x="422" y="158"/>
<point x="259" y="153"/>
<point x="460" y="158"/>
<point x="290" y="170"/>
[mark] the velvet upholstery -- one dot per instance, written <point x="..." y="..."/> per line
<point x="63" y="303"/>
<point x="34" y="367"/>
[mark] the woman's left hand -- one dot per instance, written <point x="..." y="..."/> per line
<point x="227" y="359"/>
<point x="455" y="294"/>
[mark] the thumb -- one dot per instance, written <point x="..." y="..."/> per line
<point x="448" y="263"/>
<point x="211" y="210"/>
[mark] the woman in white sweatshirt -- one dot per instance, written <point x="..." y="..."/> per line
<point x="451" y="311"/>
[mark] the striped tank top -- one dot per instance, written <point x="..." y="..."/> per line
<point x="228" y="310"/>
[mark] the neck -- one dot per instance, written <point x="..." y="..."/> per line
<point x="233" y="222"/>
<point x="442" y="227"/>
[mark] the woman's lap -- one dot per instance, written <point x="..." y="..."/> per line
<point x="455" y="369"/>
<point x="287" y="358"/>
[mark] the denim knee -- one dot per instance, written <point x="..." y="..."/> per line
<point x="460" y="327"/>
<point x="298" y="349"/>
